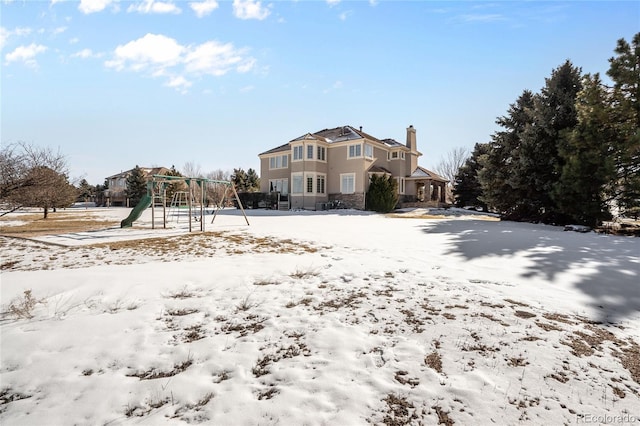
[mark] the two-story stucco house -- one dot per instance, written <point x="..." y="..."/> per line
<point x="115" y="194"/>
<point x="336" y="165"/>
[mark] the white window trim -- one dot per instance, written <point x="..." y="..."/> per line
<point x="368" y="145"/>
<point x="401" y="185"/>
<point x="285" y="183"/>
<point x="310" y="148"/>
<point x="293" y="183"/>
<point x="308" y="176"/>
<point x="342" y="176"/>
<point x="315" y="183"/>
<point x="293" y="153"/>
<point x="317" y="147"/>
<point x="349" y="157"/>
<point x="282" y="166"/>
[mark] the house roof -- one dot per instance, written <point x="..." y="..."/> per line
<point x="379" y="169"/>
<point x="422" y="173"/>
<point x="147" y="170"/>
<point x="281" y="148"/>
<point x="337" y="134"/>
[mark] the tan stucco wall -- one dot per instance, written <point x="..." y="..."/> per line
<point x="266" y="174"/>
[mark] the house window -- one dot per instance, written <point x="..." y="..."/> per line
<point x="320" y="184"/>
<point x="394" y="155"/>
<point x="347" y="183"/>
<point x="309" y="184"/>
<point x="368" y="150"/>
<point x="297" y="153"/>
<point x="322" y="153"/>
<point x="355" y="151"/>
<point x="402" y="155"/>
<point x="400" y="185"/>
<point x="279" y="162"/>
<point x="310" y="152"/>
<point x="279" y="185"/>
<point x="296" y="187"/>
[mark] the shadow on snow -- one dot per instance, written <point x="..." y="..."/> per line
<point x="611" y="263"/>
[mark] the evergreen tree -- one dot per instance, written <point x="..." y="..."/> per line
<point x="624" y="70"/>
<point x="253" y="181"/>
<point x="239" y="179"/>
<point x="467" y="190"/>
<point x="382" y="195"/>
<point x="174" y="186"/>
<point x="85" y="191"/>
<point x="499" y="174"/>
<point x="588" y="166"/>
<point x="136" y="186"/>
<point x="540" y="165"/>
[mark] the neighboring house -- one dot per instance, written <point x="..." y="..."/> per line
<point x="115" y="195"/>
<point x="336" y="164"/>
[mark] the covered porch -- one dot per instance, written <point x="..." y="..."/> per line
<point x="424" y="188"/>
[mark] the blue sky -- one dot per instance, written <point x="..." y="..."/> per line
<point x="115" y="83"/>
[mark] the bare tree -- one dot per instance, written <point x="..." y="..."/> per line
<point x="215" y="191"/>
<point x="34" y="177"/>
<point x="449" y="165"/>
<point x="193" y="170"/>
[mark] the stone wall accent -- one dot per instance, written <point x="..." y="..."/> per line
<point x="351" y="201"/>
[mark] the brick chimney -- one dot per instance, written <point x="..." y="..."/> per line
<point x="411" y="139"/>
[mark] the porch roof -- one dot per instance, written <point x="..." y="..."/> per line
<point x="422" y="173"/>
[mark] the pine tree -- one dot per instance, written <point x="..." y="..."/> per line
<point x="499" y="174"/>
<point x="239" y="179"/>
<point x="588" y="166"/>
<point x="467" y="190"/>
<point x="253" y="181"/>
<point x="540" y="165"/>
<point x="382" y="195"/>
<point x="86" y="191"/>
<point x="136" y="186"/>
<point x="174" y="186"/>
<point x="624" y="70"/>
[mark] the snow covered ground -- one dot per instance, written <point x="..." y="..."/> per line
<point x="321" y="318"/>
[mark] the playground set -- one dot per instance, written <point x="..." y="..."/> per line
<point x="156" y="198"/>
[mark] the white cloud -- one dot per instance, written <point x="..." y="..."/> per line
<point x="85" y="54"/>
<point x="152" y="50"/>
<point x="163" y="57"/>
<point x="74" y="40"/>
<point x="332" y="3"/>
<point x="26" y="54"/>
<point x="488" y="17"/>
<point x="152" y="6"/>
<point x="59" y="30"/>
<point x="204" y="8"/>
<point x="4" y="35"/>
<point x="344" y="15"/>
<point x="216" y="59"/>
<point x="179" y="83"/>
<point x="246" y="89"/>
<point x="22" y="31"/>
<point x="93" y="6"/>
<point x="249" y="9"/>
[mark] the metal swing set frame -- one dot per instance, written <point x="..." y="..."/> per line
<point x="157" y="187"/>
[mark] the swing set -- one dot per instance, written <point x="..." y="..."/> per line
<point x="191" y="199"/>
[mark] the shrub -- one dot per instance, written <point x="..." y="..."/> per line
<point x="382" y="195"/>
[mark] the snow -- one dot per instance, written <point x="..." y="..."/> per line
<point x="321" y="318"/>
